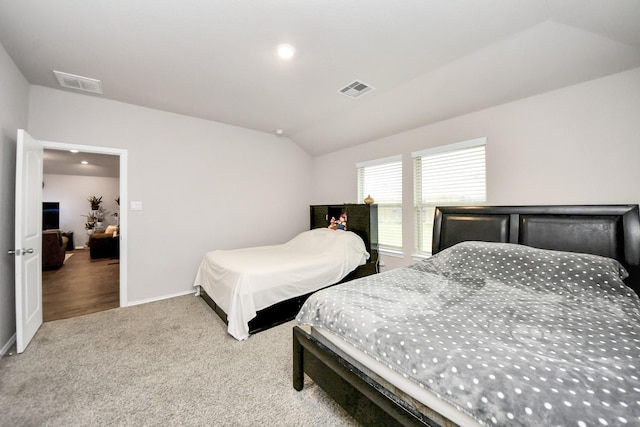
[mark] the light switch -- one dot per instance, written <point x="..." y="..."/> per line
<point x="136" y="205"/>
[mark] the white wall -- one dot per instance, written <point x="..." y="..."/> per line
<point x="72" y="192"/>
<point x="577" y="145"/>
<point x="204" y="185"/>
<point x="14" y="94"/>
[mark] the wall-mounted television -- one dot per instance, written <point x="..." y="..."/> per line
<point x="50" y="215"/>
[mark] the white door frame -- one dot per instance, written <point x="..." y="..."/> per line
<point x="122" y="153"/>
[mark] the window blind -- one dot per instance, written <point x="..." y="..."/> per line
<point x="446" y="176"/>
<point x="382" y="179"/>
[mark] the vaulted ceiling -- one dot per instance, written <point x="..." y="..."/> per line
<point x="428" y="60"/>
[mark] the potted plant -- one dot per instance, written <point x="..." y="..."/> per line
<point x="99" y="215"/>
<point x="95" y="202"/>
<point x="91" y="217"/>
<point x="116" y="214"/>
<point x="91" y="222"/>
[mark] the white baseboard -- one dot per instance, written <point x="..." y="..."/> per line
<point x="5" y="348"/>
<point x="145" y="301"/>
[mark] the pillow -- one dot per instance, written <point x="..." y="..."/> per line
<point x="111" y="229"/>
<point x="323" y="240"/>
<point x="536" y="269"/>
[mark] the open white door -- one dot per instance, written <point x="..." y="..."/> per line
<point x="28" y="239"/>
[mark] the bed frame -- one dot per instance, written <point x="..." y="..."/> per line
<point x="607" y="230"/>
<point x="286" y="310"/>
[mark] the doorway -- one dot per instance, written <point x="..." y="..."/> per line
<point x="86" y="285"/>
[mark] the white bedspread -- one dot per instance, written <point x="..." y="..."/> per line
<point x="243" y="281"/>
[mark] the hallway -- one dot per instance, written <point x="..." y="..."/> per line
<point x="80" y="286"/>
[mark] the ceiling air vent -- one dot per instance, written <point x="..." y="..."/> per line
<point x="356" y="89"/>
<point x="72" y="81"/>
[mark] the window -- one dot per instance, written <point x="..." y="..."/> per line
<point x="452" y="175"/>
<point x="382" y="179"/>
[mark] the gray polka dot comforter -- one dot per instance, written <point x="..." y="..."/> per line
<point x="509" y="334"/>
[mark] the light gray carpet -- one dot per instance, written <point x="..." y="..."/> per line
<point x="164" y="363"/>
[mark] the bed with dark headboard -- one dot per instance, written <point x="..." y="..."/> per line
<point x="611" y="231"/>
<point x="362" y="220"/>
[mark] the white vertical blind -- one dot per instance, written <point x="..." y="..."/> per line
<point x="447" y="176"/>
<point x="382" y="179"/>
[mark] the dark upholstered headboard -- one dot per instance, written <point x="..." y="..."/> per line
<point x="607" y="230"/>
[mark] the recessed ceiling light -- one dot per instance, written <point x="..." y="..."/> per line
<point x="73" y="151"/>
<point x="279" y="131"/>
<point x="286" y="51"/>
<point x="84" y="162"/>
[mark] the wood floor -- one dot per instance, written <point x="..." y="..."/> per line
<point x="80" y="286"/>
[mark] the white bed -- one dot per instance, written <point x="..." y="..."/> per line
<point x="244" y="281"/>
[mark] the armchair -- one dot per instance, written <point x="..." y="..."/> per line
<point x="54" y="246"/>
<point x="104" y="244"/>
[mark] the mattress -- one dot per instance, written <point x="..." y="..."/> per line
<point x="243" y="281"/>
<point x="422" y="400"/>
